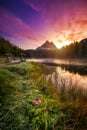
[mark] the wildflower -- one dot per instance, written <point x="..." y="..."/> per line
<point x="37" y="101"/>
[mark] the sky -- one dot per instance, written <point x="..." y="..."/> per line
<point x="29" y="23"/>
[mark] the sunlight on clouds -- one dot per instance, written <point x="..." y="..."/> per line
<point x="59" y="44"/>
<point x="62" y="22"/>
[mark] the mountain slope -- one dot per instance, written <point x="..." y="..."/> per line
<point x="47" y="46"/>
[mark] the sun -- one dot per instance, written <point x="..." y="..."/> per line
<point x="59" y="45"/>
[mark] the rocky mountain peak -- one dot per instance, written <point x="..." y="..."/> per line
<point x="47" y="46"/>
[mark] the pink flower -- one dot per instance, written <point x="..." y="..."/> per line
<point x="37" y="101"/>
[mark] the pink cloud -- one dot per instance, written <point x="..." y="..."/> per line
<point x="66" y="18"/>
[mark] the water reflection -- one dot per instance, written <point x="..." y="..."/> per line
<point x="82" y="70"/>
<point x="73" y="66"/>
<point x="68" y="73"/>
<point x="60" y="61"/>
<point x="62" y="77"/>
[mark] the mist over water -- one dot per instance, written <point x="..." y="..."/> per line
<point x="60" y="61"/>
<point x="67" y="73"/>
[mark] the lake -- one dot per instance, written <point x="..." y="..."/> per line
<point x="68" y="73"/>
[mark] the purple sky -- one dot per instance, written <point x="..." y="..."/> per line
<point x="29" y="23"/>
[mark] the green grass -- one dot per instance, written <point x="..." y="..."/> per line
<point x="2" y="60"/>
<point x="21" y="84"/>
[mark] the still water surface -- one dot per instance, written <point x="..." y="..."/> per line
<point x="66" y="72"/>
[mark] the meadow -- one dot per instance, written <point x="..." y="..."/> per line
<point x="29" y="102"/>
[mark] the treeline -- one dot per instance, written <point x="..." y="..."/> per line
<point x="42" y="53"/>
<point x="7" y="48"/>
<point x="74" y="50"/>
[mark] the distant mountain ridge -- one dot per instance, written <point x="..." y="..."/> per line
<point x="49" y="50"/>
<point x="47" y="46"/>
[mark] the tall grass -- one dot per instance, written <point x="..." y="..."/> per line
<point x="20" y="87"/>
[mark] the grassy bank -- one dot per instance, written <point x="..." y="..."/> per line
<point x="29" y="102"/>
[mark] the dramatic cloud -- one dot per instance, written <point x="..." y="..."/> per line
<point x="68" y="18"/>
<point x="60" y="21"/>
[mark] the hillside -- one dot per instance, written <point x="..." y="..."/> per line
<point x="8" y="48"/>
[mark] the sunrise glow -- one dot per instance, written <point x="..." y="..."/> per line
<point x="64" y="43"/>
<point x="29" y="23"/>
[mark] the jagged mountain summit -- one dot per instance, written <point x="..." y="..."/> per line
<point x="47" y="46"/>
